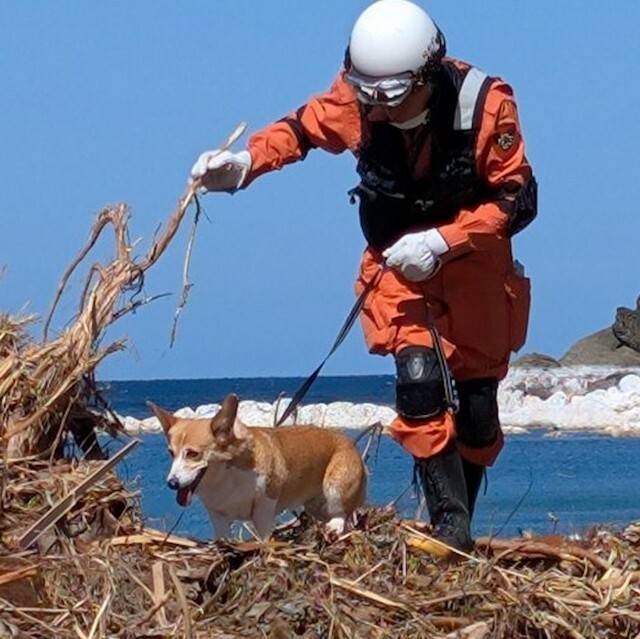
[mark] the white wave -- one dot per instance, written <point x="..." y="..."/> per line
<point x="597" y="399"/>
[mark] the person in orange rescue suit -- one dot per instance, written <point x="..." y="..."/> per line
<point x="444" y="185"/>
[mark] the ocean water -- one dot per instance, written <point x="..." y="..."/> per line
<point x="543" y="481"/>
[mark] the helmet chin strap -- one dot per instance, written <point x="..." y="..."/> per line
<point x="414" y="122"/>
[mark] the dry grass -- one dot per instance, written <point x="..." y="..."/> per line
<point x="99" y="573"/>
<point x="47" y="388"/>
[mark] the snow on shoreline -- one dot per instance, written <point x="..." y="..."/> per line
<point x="596" y="399"/>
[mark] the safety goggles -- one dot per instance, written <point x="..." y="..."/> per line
<point x="389" y="91"/>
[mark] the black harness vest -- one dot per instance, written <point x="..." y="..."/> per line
<point x="392" y="203"/>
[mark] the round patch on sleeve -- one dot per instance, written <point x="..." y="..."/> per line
<point x="506" y="139"/>
<point x="506" y="142"/>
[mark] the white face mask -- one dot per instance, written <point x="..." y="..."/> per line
<point x="414" y="122"/>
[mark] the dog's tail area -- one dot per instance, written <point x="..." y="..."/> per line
<point x="345" y="481"/>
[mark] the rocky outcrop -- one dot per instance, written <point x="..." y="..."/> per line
<point x="626" y="327"/>
<point x="601" y="349"/>
<point x="617" y="345"/>
<point x="535" y="360"/>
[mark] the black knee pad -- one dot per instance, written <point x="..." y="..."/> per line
<point x="420" y="391"/>
<point x="477" y="421"/>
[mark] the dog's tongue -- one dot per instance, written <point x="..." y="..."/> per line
<point x="183" y="497"/>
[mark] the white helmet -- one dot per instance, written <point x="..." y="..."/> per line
<point x="394" y="37"/>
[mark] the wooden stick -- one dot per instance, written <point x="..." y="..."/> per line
<point x="188" y="631"/>
<point x="16" y="575"/>
<point x="149" y="536"/>
<point x="66" y="503"/>
<point x="159" y="592"/>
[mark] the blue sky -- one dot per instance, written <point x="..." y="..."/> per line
<point x="112" y="102"/>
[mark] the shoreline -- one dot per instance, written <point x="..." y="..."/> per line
<point x="596" y="400"/>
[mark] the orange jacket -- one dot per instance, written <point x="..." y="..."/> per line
<point x="334" y="121"/>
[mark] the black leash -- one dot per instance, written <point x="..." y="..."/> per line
<point x="346" y="327"/>
<point x="450" y="392"/>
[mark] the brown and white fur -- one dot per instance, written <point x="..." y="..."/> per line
<point x="252" y="473"/>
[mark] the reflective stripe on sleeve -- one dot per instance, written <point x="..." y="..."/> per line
<point x="467" y="99"/>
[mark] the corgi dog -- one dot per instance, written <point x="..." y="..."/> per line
<point x="252" y="473"/>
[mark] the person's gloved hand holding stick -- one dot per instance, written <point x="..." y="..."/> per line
<point x="221" y="169"/>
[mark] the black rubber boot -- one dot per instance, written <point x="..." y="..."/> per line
<point x="445" y="490"/>
<point x="473" y="474"/>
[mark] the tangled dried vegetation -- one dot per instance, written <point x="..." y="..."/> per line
<point x="100" y="573"/>
<point x="47" y="388"/>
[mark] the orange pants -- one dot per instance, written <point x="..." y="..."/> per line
<point x="480" y="307"/>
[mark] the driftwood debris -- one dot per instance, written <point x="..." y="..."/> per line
<point x="46" y="388"/>
<point x="101" y="573"/>
<point x="63" y="506"/>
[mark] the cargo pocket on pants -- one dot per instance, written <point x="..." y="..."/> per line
<point x="518" y="289"/>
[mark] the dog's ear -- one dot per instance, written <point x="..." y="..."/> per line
<point x="230" y="405"/>
<point x="240" y="430"/>
<point x="226" y="426"/>
<point x="228" y="411"/>
<point x="167" y="420"/>
<point x="222" y="422"/>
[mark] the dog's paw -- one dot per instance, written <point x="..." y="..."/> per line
<point x="334" y="527"/>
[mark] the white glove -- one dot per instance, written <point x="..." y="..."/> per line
<point x="416" y="255"/>
<point x="221" y="170"/>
